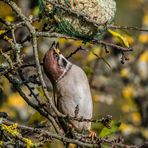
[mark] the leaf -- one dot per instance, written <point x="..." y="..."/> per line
<point x="1" y="143"/>
<point x="104" y="60"/>
<point x="114" y="128"/>
<point x="91" y="56"/>
<point x="41" y="93"/>
<point x="88" y="70"/>
<point x="36" y="11"/>
<point x="128" y="93"/>
<point x="47" y="144"/>
<point x="9" y="18"/>
<point x="143" y="38"/>
<point x="40" y="4"/>
<point x="122" y="39"/>
<point x="144" y="57"/>
<point x="15" y="99"/>
<point x="2" y="31"/>
<point x="36" y="118"/>
<point x="124" y="72"/>
<point x="97" y="127"/>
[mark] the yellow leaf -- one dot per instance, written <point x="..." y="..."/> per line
<point x="144" y="132"/>
<point x="143" y="38"/>
<point x="41" y="92"/>
<point x="96" y="97"/>
<point x="62" y="40"/>
<point x="72" y="145"/>
<point x="136" y="118"/>
<point x="124" y="72"/>
<point x="9" y="18"/>
<point x="36" y="118"/>
<point x="144" y="57"/>
<point x="145" y="20"/>
<point x="2" y="31"/>
<point x="129" y="39"/>
<point x="126" y="128"/>
<point x="1" y="143"/>
<point x="78" y="43"/>
<point x="126" y="108"/>
<point x="16" y="100"/>
<point x="122" y="39"/>
<point x="128" y="92"/>
<point x="91" y="55"/>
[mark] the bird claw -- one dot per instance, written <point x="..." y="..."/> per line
<point x="92" y="135"/>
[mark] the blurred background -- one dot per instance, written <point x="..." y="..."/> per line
<point x="120" y="90"/>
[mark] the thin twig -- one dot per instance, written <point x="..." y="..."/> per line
<point x="127" y="28"/>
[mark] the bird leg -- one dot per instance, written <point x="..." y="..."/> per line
<point x="92" y="135"/>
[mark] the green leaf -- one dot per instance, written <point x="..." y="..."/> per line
<point x="88" y="70"/>
<point x="114" y="128"/>
<point x="41" y="6"/>
<point x="97" y="127"/>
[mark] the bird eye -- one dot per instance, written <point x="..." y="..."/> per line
<point x="56" y="56"/>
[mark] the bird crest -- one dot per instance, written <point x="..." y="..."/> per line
<point x="55" y="47"/>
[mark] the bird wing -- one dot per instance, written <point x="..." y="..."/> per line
<point x="55" y="96"/>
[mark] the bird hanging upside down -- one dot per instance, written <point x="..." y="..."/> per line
<point x="72" y="90"/>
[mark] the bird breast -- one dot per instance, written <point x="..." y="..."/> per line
<point x="73" y="91"/>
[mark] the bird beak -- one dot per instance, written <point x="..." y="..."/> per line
<point x="52" y="46"/>
<point x="55" y="47"/>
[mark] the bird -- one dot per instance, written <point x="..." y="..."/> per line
<point x="71" y="86"/>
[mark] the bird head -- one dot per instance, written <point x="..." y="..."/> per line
<point x="55" y="64"/>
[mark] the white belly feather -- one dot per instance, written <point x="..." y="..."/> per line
<point x="73" y="90"/>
